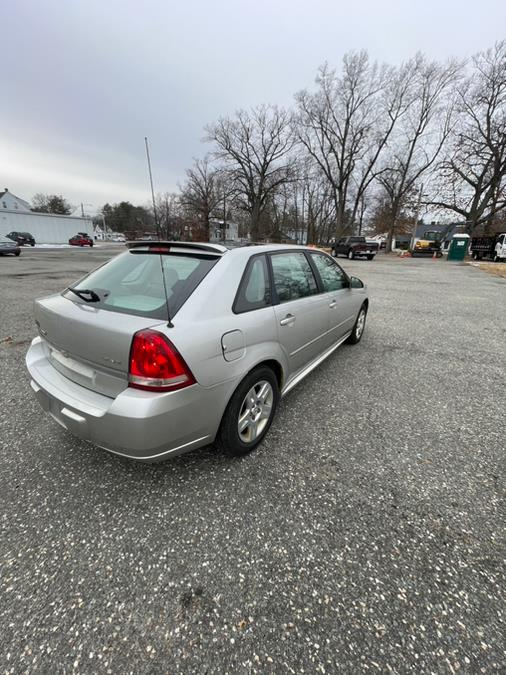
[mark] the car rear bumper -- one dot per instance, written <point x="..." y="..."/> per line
<point x="138" y="424"/>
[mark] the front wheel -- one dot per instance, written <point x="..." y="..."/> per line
<point x="370" y="257"/>
<point x="351" y="255"/>
<point x="358" y="328"/>
<point x="249" y="413"/>
<point x="17" y="253"/>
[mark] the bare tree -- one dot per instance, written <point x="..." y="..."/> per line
<point x="421" y="134"/>
<point x="169" y="214"/>
<point x="345" y="125"/>
<point x="200" y="193"/>
<point x="472" y="176"/>
<point x="254" y="147"/>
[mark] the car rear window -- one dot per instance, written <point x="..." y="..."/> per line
<point x="133" y="283"/>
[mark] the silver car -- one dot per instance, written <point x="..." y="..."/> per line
<point x="171" y="346"/>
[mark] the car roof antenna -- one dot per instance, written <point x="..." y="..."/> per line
<point x="169" y="324"/>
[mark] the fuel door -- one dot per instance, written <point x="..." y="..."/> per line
<point x="232" y="345"/>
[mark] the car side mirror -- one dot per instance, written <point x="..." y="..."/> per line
<point x="355" y="282"/>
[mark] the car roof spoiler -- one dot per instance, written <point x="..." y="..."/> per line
<point x="189" y="245"/>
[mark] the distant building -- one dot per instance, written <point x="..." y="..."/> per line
<point x="216" y="231"/>
<point x="47" y="228"/>
<point x="12" y="203"/>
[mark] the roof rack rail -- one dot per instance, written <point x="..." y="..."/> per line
<point x="199" y="246"/>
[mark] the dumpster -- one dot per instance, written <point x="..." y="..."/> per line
<point x="458" y="247"/>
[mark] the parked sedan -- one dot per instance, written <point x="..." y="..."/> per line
<point x="22" y="238"/>
<point x="81" y="239"/>
<point x="170" y="346"/>
<point x="8" y="246"/>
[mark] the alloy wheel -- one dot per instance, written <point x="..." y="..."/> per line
<point x="359" y="329"/>
<point x="255" y="411"/>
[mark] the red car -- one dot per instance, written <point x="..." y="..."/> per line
<point x="81" y="239"/>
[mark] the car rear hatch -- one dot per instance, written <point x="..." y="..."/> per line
<point x="90" y="346"/>
<point x="87" y="331"/>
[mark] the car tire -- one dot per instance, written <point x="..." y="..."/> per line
<point x="351" y="255"/>
<point x="359" y="327"/>
<point x="17" y="254"/>
<point x="244" y="412"/>
<point x="370" y="257"/>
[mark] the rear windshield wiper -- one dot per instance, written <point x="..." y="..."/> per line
<point x="85" y="294"/>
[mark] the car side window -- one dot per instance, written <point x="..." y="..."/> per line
<point x="332" y="276"/>
<point x="254" y="288"/>
<point x="293" y="276"/>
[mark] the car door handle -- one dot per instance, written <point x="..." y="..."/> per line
<point x="288" y="320"/>
<point x="332" y="304"/>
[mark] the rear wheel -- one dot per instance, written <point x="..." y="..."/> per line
<point x="249" y="413"/>
<point x="17" y="253"/>
<point x="358" y="328"/>
<point x="351" y="255"/>
<point x="370" y="257"/>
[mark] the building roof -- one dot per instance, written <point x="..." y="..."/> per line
<point x="22" y="201"/>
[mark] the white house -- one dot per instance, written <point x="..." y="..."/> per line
<point x="11" y="202"/>
<point x="46" y="228"/>
<point x="216" y="231"/>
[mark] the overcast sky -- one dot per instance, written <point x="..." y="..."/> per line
<point x="83" y="82"/>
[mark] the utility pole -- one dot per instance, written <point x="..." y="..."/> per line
<point x="152" y="190"/>
<point x="417" y="214"/>
<point x="224" y="216"/>
<point x="82" y="210"/>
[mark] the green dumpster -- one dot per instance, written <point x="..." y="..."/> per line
<point x="458" y="247"/>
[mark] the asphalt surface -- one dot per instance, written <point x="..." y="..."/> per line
<point x="365" y="535"/>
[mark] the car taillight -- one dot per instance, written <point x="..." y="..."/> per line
<point x="156" y="365"/>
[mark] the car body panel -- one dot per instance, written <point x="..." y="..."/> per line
<point x="93" y="348"/>
<point x="302" y="326"/>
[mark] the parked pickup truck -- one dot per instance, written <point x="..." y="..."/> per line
<point x="353" y="247"/>
<point x="489" y="247"/>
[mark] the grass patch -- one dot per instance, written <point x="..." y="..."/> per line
<point x="497" y="269"/>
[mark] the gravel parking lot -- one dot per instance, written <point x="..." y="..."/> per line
<point x="365" y="535"/>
